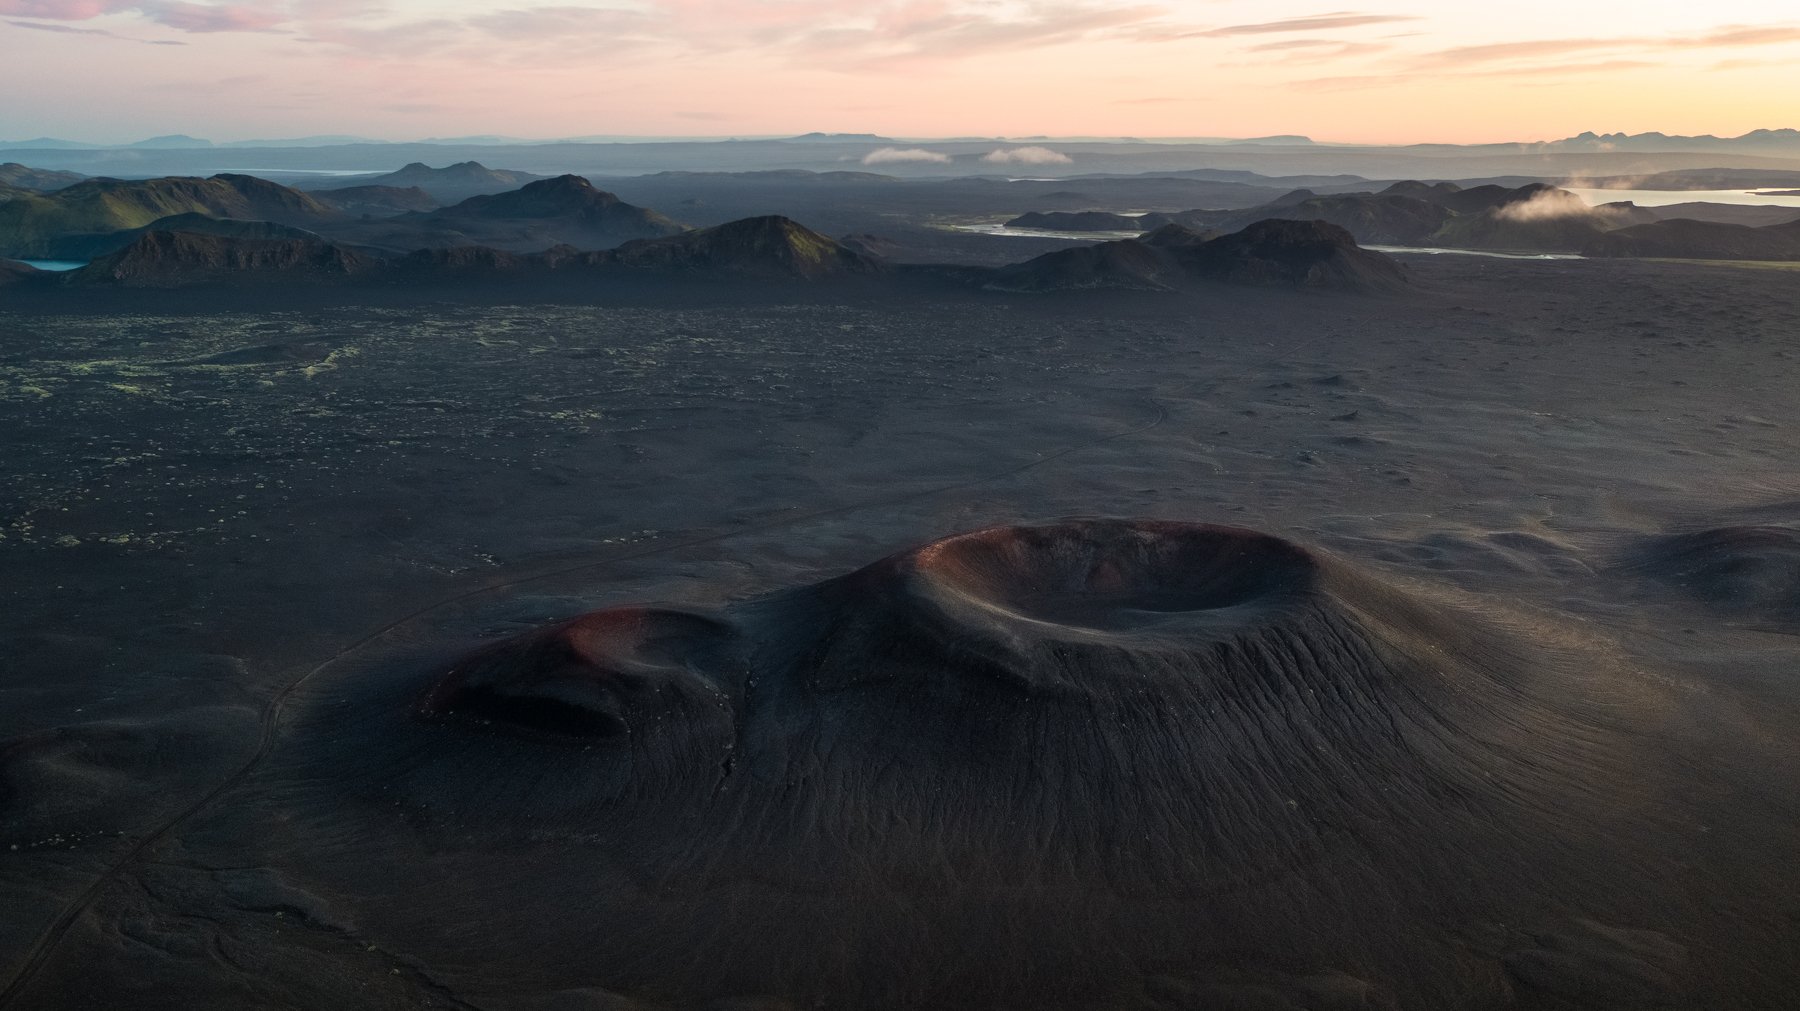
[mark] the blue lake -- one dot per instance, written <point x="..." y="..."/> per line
<point x="55" y="264"/>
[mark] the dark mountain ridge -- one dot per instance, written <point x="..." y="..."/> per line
<point x="565" y="210"/>
<point x="1126" y="264"/>
<point x="1535" y="217"/>
<point x="448" y="184"/>
<point x="1700" y="240"/>
<point x="766" y="246"/>
<point x="22" y="177"/>
<point x="91" y="247"/>
<point x="567" y="196"/>
<point x="764" y="250"/>
<point x="1273" y="253"/>
<point x="760" y="248"/>
<point x="13" y="272"/>
<point x="1306" y="254"/>
<point x="101" y="206"/>
<point x="378" y="201"/>
<point x="169" y="259"/>
<point x="1782" y="139"/>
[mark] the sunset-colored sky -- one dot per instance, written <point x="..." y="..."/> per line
<point x="1403" y="71"/>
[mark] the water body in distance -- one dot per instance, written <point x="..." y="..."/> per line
<point x="1663" y="198"/>
<point x="1033" y="233"/>
<point x="1434" y="251"/>
<point x="303" y="172"/>
<point x="1039" y="233"/>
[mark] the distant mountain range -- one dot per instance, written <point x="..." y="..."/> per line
<point x="378" y="201"/>
<point x="452" y="182"/>
<point x="194" y="248"/>
<point x="1300" y="254"/>
<point x="1701" y="240"/>
<point x="96" y="216"/>
<point x="767" y="249"/>
<point x="180" y="141"/>
<point x="313" y="162"/>
<point x="1755" y="139"/>
<point x="565" y="210"/>
<point x="842" y="138"/>
<point x="562" y="216"/>
<point x="33" y="225"/>
<point x="93" y="247"/>
<point x="1532" y="218"/>
<point x="770" y="245"/>
<point x="167" y="259"/>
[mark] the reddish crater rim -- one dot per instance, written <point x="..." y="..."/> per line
<point x="576" y="678"/>
<point x="1101" y="572"/>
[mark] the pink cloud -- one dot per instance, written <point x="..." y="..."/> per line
<point x="1317" y="22"/>
<point x="558" y="22"/>
<point x="1467" y="55"/>
<point x="1729" y="36"/>
<point x="813" y="33"/>
<point x="1546" y="71"/>
<point x="63" y="10"/>
<point x="103" y="33"/>
<point x="1302" y="51"/>
<point x="1748" y="35"/>
<point x="192" y="17"/>
<point x="177" y="14"/>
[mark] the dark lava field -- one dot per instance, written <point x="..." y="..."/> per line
<point x="824" y="648"/>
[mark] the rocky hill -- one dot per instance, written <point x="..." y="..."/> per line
<point x="164" y="259"/>
<point x="1304" y="254"/>
<point x="22" y="177"/>
<point x="103" y="206"/>
<point x="449" y="184"/>
<point x="566" y="210"/>
<point x="1299" y="254"/>
<point x="1700" y="240"/>
<point x="1531" y="218"/>
<point x="1127" y="264"/>
<point x="378" y="201"/>
<point x="90" y="247"/>
<point x="769" y="246"/>
<point x="13" y="272"/>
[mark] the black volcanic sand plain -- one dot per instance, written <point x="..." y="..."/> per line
<point x="1232" y="648"/>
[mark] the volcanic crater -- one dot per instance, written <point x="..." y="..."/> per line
<point x="1137" y="736"/>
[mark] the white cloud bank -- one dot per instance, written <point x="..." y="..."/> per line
<point x="1025" y="156"/>
<point x="896" y="155"/>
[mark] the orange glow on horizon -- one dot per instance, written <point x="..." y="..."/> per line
<point x="1406" y="73"/>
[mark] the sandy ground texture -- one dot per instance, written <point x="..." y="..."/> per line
<point x="1497" y="709"/>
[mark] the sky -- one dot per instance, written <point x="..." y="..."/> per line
<point x="1402" y="71"/>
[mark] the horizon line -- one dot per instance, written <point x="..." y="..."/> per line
<point x="494" y="140"/>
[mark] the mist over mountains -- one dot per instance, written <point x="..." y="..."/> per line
<point x="1590" y="154"/>
<point x="233" y="221"/>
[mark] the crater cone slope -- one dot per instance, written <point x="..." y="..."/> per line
<point x="1023" y="766"/>
<point x="1748" y="571"/>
